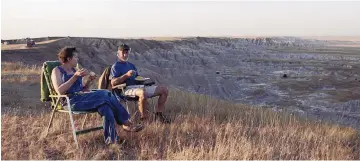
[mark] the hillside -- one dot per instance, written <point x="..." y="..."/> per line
<point x="322" y="76"/>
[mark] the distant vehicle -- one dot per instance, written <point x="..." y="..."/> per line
<point x="30" y="42"/>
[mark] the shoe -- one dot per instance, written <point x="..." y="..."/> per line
<point x="143" y="120"/>
<point x="162" y="118"/>
<point x="133" y="128"/>
<point x="117" y="140"/>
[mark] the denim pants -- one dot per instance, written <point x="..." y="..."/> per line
<point x="107" y="105"/>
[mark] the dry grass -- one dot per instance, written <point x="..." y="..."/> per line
<point x="19" y="72"/>
<point x="203" y="128"/>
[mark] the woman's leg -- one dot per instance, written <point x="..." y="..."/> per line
<point x="109" y="124"/>
<point x="90" y="101"/>
<point x="120" y="113"/>
<point x="122" y="116"/>
<point x="96" y="99"/>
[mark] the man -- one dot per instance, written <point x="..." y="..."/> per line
<point x="125" y="72"/>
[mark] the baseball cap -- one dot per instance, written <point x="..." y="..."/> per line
<point x="123" y="47"/>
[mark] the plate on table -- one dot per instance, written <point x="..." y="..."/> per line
<point x="140" y="78"/>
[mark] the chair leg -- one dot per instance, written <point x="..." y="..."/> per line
<point x="151" y="111"/>
<point x="51" y="119"/>
<point x="73" y="129"/>
<point x="127" y="106"/>
<point x="82" y="126"/>
<point x="132" y="115"/>
<point x="153" y="105"/>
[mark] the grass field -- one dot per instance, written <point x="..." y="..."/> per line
<point x="203" y="128"/>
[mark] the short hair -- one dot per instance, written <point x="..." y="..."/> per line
<point x="65" y="53"/>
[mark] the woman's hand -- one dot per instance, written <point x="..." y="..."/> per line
<point x="81" y="73"/>
<point x="92" y="76"/>
<point x="88" y="81"/>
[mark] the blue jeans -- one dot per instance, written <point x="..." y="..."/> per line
<point x="107" y="105"/>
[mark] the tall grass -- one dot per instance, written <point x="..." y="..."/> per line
<point x="19" y="68"/>
<point x="19" y="72"/>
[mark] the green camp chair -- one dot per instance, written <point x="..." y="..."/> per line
<point x="48" y="93"/>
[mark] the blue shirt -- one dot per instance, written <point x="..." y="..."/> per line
<point x="76" y="86"/>
<point x="120" y="68"/>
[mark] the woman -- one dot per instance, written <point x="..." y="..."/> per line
<point x="66" y="80"/>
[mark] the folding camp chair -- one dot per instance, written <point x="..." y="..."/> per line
<point x="105" y="83"/>
<point x="48" y="94"/>
<point x="119" y="91"/>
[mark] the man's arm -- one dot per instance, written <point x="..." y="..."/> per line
<point x="119" y="80"/>
<point x="117" y="77"/>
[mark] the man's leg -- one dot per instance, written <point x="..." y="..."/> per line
<point x="142" y="102"/>
<point x="139" y="92"/>
<point x="163" y="92"/>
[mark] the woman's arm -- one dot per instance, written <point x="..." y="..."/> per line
<point x="60" y="86"/>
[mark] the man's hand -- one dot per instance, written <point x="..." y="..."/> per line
<point x="130" y="73"/>
<point x="122" y="79"/>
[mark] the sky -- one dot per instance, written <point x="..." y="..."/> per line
<point x="120" y="18"/>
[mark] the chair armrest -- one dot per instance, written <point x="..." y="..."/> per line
<point x="96" y="89"/>
<point x="120" y="86"/>
<point x="58" y="96"/>
<point x="149" y="83"/>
